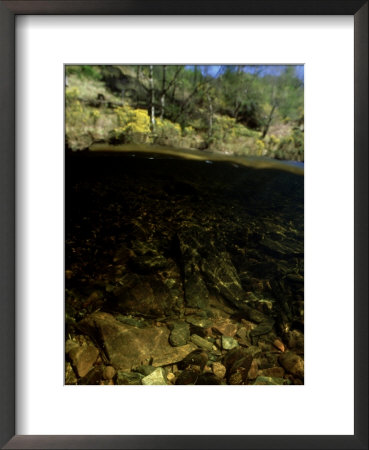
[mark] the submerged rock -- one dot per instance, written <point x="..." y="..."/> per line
<point x="128" y="378"/>
<point x="222" y="276"/>
<point x="83" y="358"/>
<point x="208" y="378"/>
<point x="228" y="343"/>
<point x="187" y="377"/>
<point x="143" y="294"/>
<point x="201" y="342"/>
<point x="218" y="370"/>
<point x="180" y="334"/>
<point x="155" y="378"/>
<point x="293" y="364"/>
<point x="128" y="346"/>
<point x="197" y="358"/>
<point x="70" y="376"/>
<point x="261" y="380"/>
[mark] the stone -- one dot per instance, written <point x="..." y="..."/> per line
<point x="272" y="372"/>
<point x="222" y="276"/>
<point x="224" y="327"/>
<point x="201" y="322"/>
<point x="94" y="376"/>
<point x="279" y="345"/>
<point x="155" y="378"/>
<point x="83" y="358"/>
<point x="197" y="358"/>
<point x="70" y="345"/>
<point x="264" y="327"/>
<point x="295" y="341"/>
<point x="292" y="363"/>
<point x="144" y="370"/>
<point x="171" y="377"/>
<point x="254" y="370"/>
<point x="195" y="291"/>
<point x="283" y="247"/>
<point x="180" y="334"/>
<point x="187" y="377"/>
<point x="219" y="370"/>
<point x="207" y="378"/>
<point x="273" y="381"/>
<point x="127" y="346"/>
<point x="266" y="346"/>
<point x="232" y="356"/>
<point x="147" y="257"/>
<point x="147" y="295"/>
<point x="135" y="322"/>
<point x="228" y="343"/>
<point x="70" y="376"/>
<point x="128" y="378"/>
<point x="109" y="372"/>
<point x="253" y="351"/>
<point x="238" y="373"/>
<point x="247" y="326"/>
<point x="201" y="342"/>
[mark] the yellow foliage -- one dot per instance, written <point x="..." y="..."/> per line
<point x="188" y="131"/>
<point x="274" y="140"/>
<point x="132" y="122"/>
<point x="260" y="146"/>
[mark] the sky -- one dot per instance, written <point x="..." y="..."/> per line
<point x="265" y="69"/>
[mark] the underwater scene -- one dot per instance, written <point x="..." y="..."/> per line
<point x="183" y="271"/>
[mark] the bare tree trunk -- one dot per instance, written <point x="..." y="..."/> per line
<point x="152" y="98"/>
<point x="163" y="91"/>
<point x="266" y="128"/>
<point x="211" y="115"/>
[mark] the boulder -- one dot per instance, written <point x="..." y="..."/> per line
<point x="127" y="346"/>
<point x="147" y="295"/>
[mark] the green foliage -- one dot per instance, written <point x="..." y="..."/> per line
<point x="292" y="146"/>
<point x="90" y="72"/>
<point x="166" y="131"/>
<point x="233" y="110"/>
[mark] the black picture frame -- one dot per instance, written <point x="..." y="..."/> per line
<point x="8" y="11"/>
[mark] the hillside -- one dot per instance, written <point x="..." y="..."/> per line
<point x="232" y="112"/>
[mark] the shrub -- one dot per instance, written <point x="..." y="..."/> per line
<point x="133" y="125"/>
<point x="260" y="146"/>
<point x="167" y="131"/>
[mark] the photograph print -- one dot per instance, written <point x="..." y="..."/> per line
<point x="184" y="225"/>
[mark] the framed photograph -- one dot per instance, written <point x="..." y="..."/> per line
<point x="184" y="224"/>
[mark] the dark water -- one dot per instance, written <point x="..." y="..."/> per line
<point x="197" y="235"/>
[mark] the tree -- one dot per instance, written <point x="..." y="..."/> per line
<point x="152" y="98"/>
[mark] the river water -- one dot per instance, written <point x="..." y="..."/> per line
<point x="157" y="236"/>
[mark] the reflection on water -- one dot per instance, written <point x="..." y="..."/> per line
<point x="203" y="252"/>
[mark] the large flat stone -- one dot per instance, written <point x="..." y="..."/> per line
<point x="127" y="346"/>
